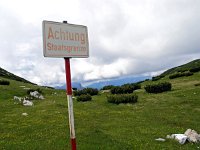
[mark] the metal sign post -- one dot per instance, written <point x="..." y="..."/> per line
<point x="66" y="41"/>
<point x="70" y="103"/>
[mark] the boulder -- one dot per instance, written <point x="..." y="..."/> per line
<point x="36" y="94"/>
<point x="181" y="138"/>
<point x="192" y="135"/>
<point x="27" y="103"/>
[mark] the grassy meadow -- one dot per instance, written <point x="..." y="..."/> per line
<point x="100" y="125"/>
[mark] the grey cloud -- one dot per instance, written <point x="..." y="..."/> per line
<point x="126" y="38"/>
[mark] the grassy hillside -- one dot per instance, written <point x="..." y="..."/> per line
<point x="99" y="124"/>
<point x="8" y="75"/>
<point x="182" y="68"/>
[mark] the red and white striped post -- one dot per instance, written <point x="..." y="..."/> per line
<point x="70" y="103"/>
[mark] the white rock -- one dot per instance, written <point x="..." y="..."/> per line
<point x="41" y="97"/>
<point x="17" y="98"/>
<point x="160" y="139"/>
<point x="169" y="137"/>
<point x="24" y="114"/>
<point x="192" y="135"/>
<point x="27" y="103"/>
<point x="181" y="138"/>
<point x="36" y="94"/>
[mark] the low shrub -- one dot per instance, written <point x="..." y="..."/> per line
<point x="86" y="91"/>
<point x="4" y="82"/>
<point x="180" y="74"/>
<point x="134" y="86"/>
<point x="74" y="89"/>
<point x="125" y="89"/>
<point x="188" y="73"/>
<point x="117" y="90"/>
<point x="91" y="91"/>
<point x="123" y="98"/>
<point x="84" y="98"/>
<point x="197" y="69"/>
<point x="156" y="78"/>
<point x="158" y="88"/>
<point x="107" y="87"/>
<point x="79" y="92"/>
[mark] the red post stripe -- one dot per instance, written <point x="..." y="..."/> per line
<point x="73" y="144"/>
<point x="68" y="76"/>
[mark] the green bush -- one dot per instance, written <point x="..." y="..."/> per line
<point x="84" y="98"/>
<point x="79" y="92"/>
<point x="197" y="69"/>
<point x="134" y="86"/>
<point x="86" y="91"/>
<point x="4" y="82"/>
<point x="158" y="88"/>
<point x="116" y="90"/>
<point x="156" y="78"/>
<point x="180" y="74"/>
<point x="123" y="98"/>
<point x="125" y="89"/>
<point x="91" y="91"/>
<point x="108" y="87"/>
<point x="188" y="73"/>
<point x="74" y="89"/>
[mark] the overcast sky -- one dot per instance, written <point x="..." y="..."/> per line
<point x="126" y="37"/>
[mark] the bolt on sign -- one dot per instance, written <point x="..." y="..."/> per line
<point x="65" y="40"/>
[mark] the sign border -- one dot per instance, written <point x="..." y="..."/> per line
<point x="62" y="56"/>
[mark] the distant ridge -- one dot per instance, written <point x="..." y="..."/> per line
<point x="8" y="75"/>
<point x="185" y="67"/>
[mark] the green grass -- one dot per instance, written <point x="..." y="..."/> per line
<point x="101" y="125"/>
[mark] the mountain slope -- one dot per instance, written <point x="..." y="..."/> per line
<point x="182" y="68"/>
<point x="8" y="75"/>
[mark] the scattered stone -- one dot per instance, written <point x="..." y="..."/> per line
<point x="41" y="97"/>
<point x="36" y="94"/>
<point x="160" y="139"/>
<point x="27" y="103"/>
<point x="192" y="135"/>
<point x="169" y="137"/>
<point x="181" y="138"/>
<point x="19" y="99"/>
<point x="24" y="114"/>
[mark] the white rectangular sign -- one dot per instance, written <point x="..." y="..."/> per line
<point x="65" y="40"/>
